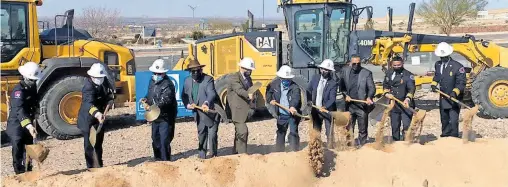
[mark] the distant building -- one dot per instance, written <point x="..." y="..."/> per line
<point x="483" y="14"/>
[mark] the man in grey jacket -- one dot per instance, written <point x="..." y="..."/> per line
<point x="357" y="83"/>
<point x="199" y="90"/>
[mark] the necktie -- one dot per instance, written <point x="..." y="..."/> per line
<point x="443" y="66"/>
<point x="393" y="76"/>
<point x="319" y="95"/>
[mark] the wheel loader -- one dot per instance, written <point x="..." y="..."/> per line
<point x="65" y="54"/>
<point x="321" y="29"/>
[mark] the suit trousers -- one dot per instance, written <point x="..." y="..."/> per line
<point x="283" y="122"/>
<point x="241" y="137"/>
<point x="20" y="137"/>
<point x="207" y="135"/>
<point x="396" y="116"/>
<point x="162" y="135"/>
<point x="358" y="115"/>
<point x="449" y="122"/>
<point x="92" y="151"/>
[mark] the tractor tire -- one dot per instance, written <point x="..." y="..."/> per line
<point x="50" y="118"/>
<point x="492" y="82"/>
<point x="221" y="85"/>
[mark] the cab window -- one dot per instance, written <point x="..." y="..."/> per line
<point x="13" y="30"/>
<point x="309" y="32"/>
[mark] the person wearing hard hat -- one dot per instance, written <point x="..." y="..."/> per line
<point x="96" y="95"/>
<point x="199" y="90"/>
<point x="161" y="92"/>
<point x="282" y="90"/>
<point x="358" y="83"/>
<point x="323" y="88"/>
<point x="451" y="77"/>
<point x="22" y="108"/>
<point x="239" y="102"/>
<point x="399" y="83"/>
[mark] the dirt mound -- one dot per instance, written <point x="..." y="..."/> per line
<point x="444" y="162"/>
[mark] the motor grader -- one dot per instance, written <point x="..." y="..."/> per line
<point x="326" y="29"/>
<point x="64" y="53"/>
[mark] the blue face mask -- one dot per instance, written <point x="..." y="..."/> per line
<point x="157" y="78"/>
<point x="286" y="83"/>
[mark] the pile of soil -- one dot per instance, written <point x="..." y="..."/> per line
<point x="443" y="162"/>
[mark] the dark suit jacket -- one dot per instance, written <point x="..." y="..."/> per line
<point x="237" y="98"/>
<point x="365" y="85"/>
<point x="453" y="78"/>
<point x="206" y="93"/>
<point x="329" y="93"/>
<point x="274" y="92"/>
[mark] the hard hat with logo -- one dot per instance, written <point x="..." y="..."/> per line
<point x="285" y="72"/>
<point x="97" y="70"/>
<point x="443" y="49"/>
<point x="327" y="64"/>
<point x="30" y="70"/>
<point x="159" y="66"/>
<point x="247" y="63"/>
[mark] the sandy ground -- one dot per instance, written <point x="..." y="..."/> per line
<point x="127" y="157"/>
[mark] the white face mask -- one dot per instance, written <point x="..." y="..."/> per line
<point x="98" y="80"/>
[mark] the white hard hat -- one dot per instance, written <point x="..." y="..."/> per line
<point x="97" y="70"/>
<point x="327" y="64"/>
<point x="159" y="66"/>
<point x="247" y="63"/>
<point x="285" y="72"/>
<point x="443" y="49"/>
<point x="30" y="70"/>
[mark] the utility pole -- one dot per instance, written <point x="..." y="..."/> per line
<point x="263" y="11"/>
<point x="193" y="8"/>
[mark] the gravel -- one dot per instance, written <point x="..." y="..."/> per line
<point x="129" y="142"/>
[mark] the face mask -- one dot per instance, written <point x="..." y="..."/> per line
<point x="356" y="66"/>
<point x="445" y="59"/>
<point x="286" y="83"/>
<point x="196" y="75"/>
<point x="398" y="69"/>
<point x="30" y="83"/>
<point x="98" y="80"/>
<point x="157" y="78"/>
<point x="325" y="73"/>
<point x="247" y="73"/>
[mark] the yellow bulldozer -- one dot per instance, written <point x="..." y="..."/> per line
<point x="64" y="53"/>
<point x="326" y="29"/>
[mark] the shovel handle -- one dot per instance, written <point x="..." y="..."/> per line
<point x="362" y="101"/>
<point x="287" y="109"/>
<point x="105" y="112"/>
<point x="316" y="107"/>
<point x="201" y="108"/>
<point x="453" y="99"/>
<point x="403" y="104"/>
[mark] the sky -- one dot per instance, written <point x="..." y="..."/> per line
<point x="214" y="8"/>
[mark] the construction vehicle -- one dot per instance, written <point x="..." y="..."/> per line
<point x="64" y="53"/>
<point x="321" y="29"/>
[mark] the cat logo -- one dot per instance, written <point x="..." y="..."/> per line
<point x="265" y="42"/>
<point x="366" y="42"/>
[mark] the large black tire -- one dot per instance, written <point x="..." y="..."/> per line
<point x="49" y="116"/>
<point x="480" y="92"/>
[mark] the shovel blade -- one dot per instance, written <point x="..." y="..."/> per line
<point x="341" y="119"/>
<point x="93" y="135"/>
<point x="254" y="88"/>
<point x="152" y="113"/>
<point x="37" y="152"/>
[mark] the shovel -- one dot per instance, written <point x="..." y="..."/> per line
<point x="340" y="119"/>
<point x="296" y="113"/>
<point x="93" y="136"/>
<point x="381" y="122"/>
<point x="36" y="151"/>
<point x="416" y="122"/>
<point x="152" y="113"/>
<point x="467" y="119"/>
<point x="218" y="110"/>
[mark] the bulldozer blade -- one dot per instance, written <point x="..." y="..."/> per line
<point x="254" y="88"/>
<point x="414" y="130"/>
<point x="37" y="152"/>
<point x="467" y="132"/>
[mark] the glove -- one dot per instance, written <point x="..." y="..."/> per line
<point x="453" y="95"/>
<point x="99" y="116"/>
<point x="32" y="130"/>
<point x="434" y="88"/>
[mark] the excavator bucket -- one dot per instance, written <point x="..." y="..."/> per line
<point x="415" y="128"/>
<point x="467" y="122"/>
<point x="37" y="152"/>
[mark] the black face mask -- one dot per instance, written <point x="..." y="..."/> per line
<point x="30" y="83"/>
<point x="398" y="69"/>
<point x="196" y="74"/>
<point x="247" y="73"/>
<point x="445" y="59"/>
<point x="325" y="74"/>
<point x="356" y="66"/>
